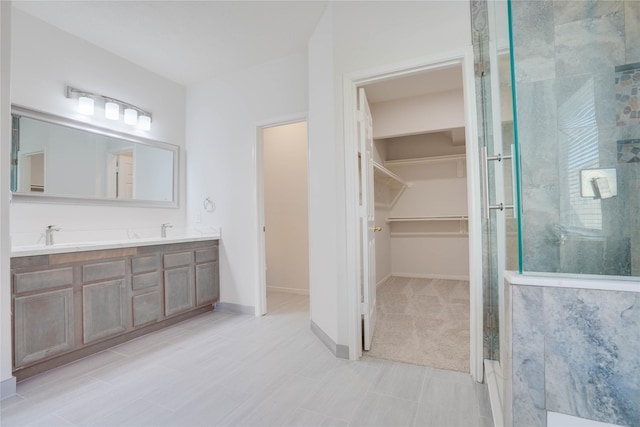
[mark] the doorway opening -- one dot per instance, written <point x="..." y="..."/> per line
<point x="32" y="173"/>
<point x="421" y="232"/>
<point x="426" y="227"/>
<point x="283" y="175"/>
<point x="120" y="175"/>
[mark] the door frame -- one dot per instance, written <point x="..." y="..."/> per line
<point x="258" y="157"/>
<point x="351" y="83"/>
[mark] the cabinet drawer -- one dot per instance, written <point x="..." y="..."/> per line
<point x="147" y="280"/>
<point x="178" y="259"/>
<point x="40" y="280"/>
<point x="103" y="270"/>
<point x="207" y="255"/>
<point x="145" y="264"/>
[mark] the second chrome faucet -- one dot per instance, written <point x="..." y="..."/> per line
<point x="48" y="234"/>
<point x="163" y="229"/>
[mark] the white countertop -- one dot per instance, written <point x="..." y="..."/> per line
<point x="41" y="249"/>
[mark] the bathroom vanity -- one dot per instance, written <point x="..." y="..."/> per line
<point x="69" y="303"/>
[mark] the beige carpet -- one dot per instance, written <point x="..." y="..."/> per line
<point x="424" y="322"/>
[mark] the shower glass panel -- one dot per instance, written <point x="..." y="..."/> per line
<point x="577" y="90"/>
<point x="495" y="140"/>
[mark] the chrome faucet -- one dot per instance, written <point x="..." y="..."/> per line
<point x="163" y="230"/>
<point x="49" y="234"/>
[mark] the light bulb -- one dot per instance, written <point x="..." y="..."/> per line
<point x="130" y="116"/>
<point x="144" y="122"/>
<point x="111" y="111"/>
<point x="85" y="105"/>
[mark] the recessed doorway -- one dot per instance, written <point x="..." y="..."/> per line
<point x="282" y="153"/>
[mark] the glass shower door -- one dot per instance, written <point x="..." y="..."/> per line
<point x="497" y="153"/>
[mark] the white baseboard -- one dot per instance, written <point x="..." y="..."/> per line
<point x="288" y="290"/>
<point x="431" y="276"/>
<point x="8" y="387"/>
<point x="493" y="377"/>
<point x="340" y="351"/>
<point x="235" y="308"/>
<point x="384" y="279"/>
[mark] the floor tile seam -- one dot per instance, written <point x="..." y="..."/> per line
<point x="29" y="395"/>
<point x="55" y="414"/>
<point x="425" y="379"/>
<point x="300" y="407"/>
<point x="397" y="397"/>
<point x="172" y="411"/>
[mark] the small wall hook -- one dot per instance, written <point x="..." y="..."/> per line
<point x="208" y="205"/>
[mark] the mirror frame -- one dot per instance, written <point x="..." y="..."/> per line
<point x="88" y="127"/>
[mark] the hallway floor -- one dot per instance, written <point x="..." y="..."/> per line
<point x="223" y="369"/>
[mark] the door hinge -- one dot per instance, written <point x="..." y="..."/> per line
<point x="364" y="308"/>
<point x="480" y="69"/>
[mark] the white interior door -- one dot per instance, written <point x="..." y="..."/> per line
<point x="367" y="218"/>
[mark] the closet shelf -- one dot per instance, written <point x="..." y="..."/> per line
<point x="458" y="159"/>
<point x="424" y="160"/>
<point x="387" y="180"/>
<point x="428" y="218"/>
<point x="430" y="234"/>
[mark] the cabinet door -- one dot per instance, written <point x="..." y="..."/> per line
<point x="207" y="283"/>
<point x="43" y="325"/>
<point x="103" y="309"/>
<point x="178" y="290"/>
<point x="147" y="308"/>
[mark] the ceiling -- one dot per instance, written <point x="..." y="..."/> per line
<point x="186" y="41"/>
<point x="423" y="83"/>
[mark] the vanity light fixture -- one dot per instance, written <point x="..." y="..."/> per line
<point x="111" y="110"/>
<point x="132" y="115"/>
<point x="85" y="105"/>
<point x="144" y="122"/>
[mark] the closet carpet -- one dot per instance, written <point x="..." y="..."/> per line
<point x="423" y="322"/>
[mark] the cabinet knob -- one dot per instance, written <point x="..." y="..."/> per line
<point x="376" y="228"/>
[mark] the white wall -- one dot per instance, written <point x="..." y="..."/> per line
<point x="444" y="257"/>
<point x="44" y="60"/>
<point x="285" y="207"/>
<point x="418" y="114"/>
<point x="354" y="37"/>
<point x="222" y="119"/>
<point x="6" y="378"/>
<point x="326" y="182"/>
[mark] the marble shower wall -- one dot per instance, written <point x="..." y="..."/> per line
<point x="573" y="351"/>
<point x="566" y="54"/>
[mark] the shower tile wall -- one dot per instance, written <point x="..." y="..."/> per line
<point x="566" y="54"/>
<point x="574" y="352"/>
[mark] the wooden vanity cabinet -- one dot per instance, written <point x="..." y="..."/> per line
<point x="67" y="306"/>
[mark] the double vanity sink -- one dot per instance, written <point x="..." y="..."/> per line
<point x="74" y="299"/>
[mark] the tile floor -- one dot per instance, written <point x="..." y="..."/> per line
<point x="223" y="369"/>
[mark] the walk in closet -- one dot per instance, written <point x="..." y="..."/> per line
<point x="421" y="204"/>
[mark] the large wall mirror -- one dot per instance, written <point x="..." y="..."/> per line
<point x="61" y="160"/>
